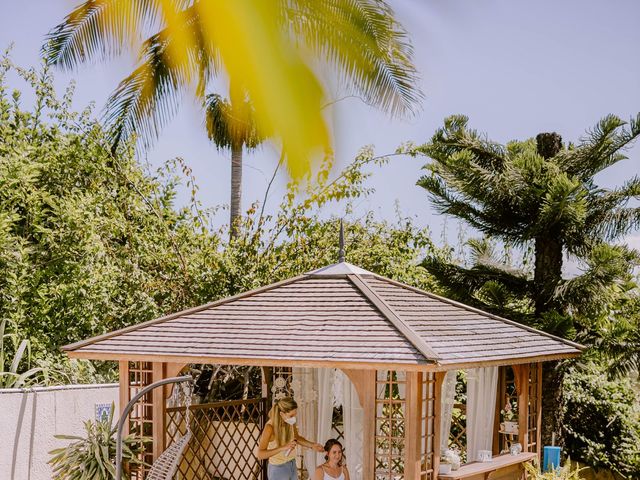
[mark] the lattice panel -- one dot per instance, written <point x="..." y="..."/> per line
<point x="458" y="432"/>
<point x="535" y="374"/>
<point x="225" y="436"/>
<point x="141" y="416"/>
<point x="390" y="426"/>
<point x="426" y="383"/>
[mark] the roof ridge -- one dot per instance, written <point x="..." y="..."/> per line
<point x="222" y="301"/>
<point x="416" y="340"/>
<point x="482" y="312"/>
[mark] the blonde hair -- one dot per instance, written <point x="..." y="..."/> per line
<point x="282" y="431"/>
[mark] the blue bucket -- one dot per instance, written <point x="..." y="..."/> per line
<point x="551" y="458"/>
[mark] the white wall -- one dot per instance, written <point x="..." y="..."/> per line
<point x="30" y="418"/>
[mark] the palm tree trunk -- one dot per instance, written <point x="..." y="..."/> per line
<point x="236" y="191"/>
<point x="547" y="276"/>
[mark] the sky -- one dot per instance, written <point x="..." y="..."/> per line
<point x="514" y="67"/>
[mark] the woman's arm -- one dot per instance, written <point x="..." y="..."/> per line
<point x="307" y="443"/>
<point x="263" y="447"/>
<point x="319" y="475"/>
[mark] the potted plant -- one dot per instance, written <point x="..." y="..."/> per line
<point x="509" y="419"/>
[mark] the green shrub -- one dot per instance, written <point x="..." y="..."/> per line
<point x="93" y="457"/>
<point x="602" y="420"/>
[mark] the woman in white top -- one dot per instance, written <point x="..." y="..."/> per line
<point x="279" y="440"/>
<point x="332" y="468"/>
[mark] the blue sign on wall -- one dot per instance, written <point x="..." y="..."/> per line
<point x="103" y="410"/>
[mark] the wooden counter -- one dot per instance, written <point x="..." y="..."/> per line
<point x="505" y="467"/>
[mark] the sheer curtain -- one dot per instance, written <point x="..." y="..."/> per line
<point x="448" y="400"/>
<point x="482" y="386"/>
<point x="325" y="411"/>
<point x="304" y="384"/>
<point x="353" y="420"/>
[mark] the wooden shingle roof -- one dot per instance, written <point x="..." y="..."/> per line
<point x="340" y="315"/>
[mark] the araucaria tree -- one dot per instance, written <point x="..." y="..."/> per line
<point x="541" y="196"/>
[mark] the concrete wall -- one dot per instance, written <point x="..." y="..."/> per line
<point x="30" y="418"/>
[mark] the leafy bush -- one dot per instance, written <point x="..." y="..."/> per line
<point x="93" y="457"/>
<point x="602" y="420"/>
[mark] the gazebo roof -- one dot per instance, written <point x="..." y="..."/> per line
<point x="340" y="315"/>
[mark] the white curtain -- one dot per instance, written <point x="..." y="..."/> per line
<point x="304" y="384"/>
<point x="482" y="386"/>
<point x="353" y="421"/>
<point x="447" y="401"/>
<point x="325" y="412"/>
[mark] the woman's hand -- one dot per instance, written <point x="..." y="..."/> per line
<point x="317" y="447"/>
<point x="289" y="447"/>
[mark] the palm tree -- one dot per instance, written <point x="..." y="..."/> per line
<point x="271" y="48"/>
<point x="542" y="195"/>
<point x="231" y="125"/>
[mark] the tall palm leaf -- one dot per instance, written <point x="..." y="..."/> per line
<point x="270" y="48"/>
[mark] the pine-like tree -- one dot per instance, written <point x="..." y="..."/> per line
<point x="541" y="195"/>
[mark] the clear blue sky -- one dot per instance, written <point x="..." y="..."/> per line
<point x="514" y="67"/>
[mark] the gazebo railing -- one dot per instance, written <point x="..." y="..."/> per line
<point x="225" y="435"/>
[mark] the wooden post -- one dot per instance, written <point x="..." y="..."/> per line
<point x="412" y="426"/>
<point x="538" y="366"/>
<point x="369" y="423"/>
<point x="158" y="411"/>
<point x="123" y="390"/>
<point x="502" y="389"/>
<point x="437" y="413"/>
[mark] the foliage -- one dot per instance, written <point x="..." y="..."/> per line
<point x="542" y="199"/>
<point x="12" y="376"/>
<point x="602" y="419"/>
<point x="92" y="242"/>
<point x="567" y="472"/>
<point x="193" y="42"/>
<point x="93" y="457"/>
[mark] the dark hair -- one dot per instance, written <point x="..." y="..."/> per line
<point x="329" y="445"/>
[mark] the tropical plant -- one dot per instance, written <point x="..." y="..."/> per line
<point x="232" y="126"/>
<point x="11" y="376"/>
<point x="538" y="195"/>
<point x="266" y="50"/>
<point x="566" y="472"/>
<point x="93" y="457"/>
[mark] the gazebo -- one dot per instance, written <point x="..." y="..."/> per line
<point x="394" y="342"/>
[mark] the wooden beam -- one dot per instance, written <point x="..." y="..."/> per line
<point x="409" y="333"/>
<point x="260" y="362"/>
<point x="158" y="410"/>
<point x="123" y="389"/>
<point x="369" y="424"/>
<point x="437" y="412"/>
<point x="539" y="411"/>
<point x="412" y="426"/>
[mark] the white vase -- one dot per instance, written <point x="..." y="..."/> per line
<point x="445" y="468"/>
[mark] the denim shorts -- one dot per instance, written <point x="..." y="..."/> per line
<point x="286" y="471"/>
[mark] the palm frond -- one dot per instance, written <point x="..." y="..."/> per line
<point x="99" y="29"/>
<point x="146" y="100"/>
<point x="362" y="41"/>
